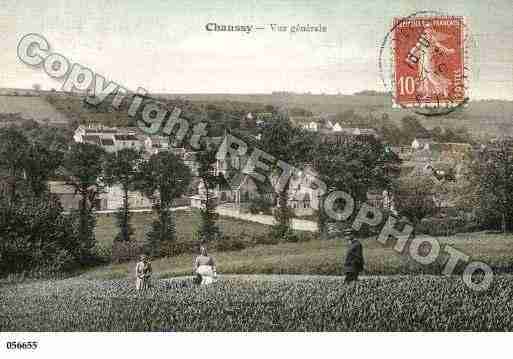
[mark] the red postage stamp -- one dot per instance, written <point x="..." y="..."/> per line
<point x="429" y="61"/>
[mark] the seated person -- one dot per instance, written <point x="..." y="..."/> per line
<point x="204" y="267"/>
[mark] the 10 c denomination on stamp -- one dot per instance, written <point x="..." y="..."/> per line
<point x="429" y="56"/>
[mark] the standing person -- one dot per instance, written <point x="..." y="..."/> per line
<point x="204" y="267"/>
<point x="143" y="273"/>
<point x="354" y="257"/>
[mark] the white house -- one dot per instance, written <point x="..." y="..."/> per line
<point x="336" y="127"/>
<point x="422" y="143"/>
<point x="113" y="199"/>
<point x="304" y="192"/>
<point x="311" y="126"/>
<point x="110" y="199"/>
<point x="156" y="144"/>
<point x="110" y="138"/>
<point x="354" y="131"/>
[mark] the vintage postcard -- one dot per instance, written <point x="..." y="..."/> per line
<point x="183" y="167"/>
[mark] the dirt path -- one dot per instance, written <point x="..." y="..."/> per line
<point x="297" y="224"/>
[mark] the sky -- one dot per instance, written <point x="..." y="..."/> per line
<point x="163" y="46"/>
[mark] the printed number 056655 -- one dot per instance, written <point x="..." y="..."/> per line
<point x="22" y="345"/>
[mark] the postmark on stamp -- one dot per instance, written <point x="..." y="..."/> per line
<point x="428" y="63"/>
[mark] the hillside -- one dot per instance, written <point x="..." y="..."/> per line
<point x="33" y="107"/>
<point x="482" y="118"/>
<point x="485" y="117"/>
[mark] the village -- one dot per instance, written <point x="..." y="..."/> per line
<point x="442" y="163"/>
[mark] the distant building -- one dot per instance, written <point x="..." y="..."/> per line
<point x="263" y="116"/>
<point x="112" y="139"/>
<point x="239" y="191"/>
<point x="65" y="194"/>
<point x="156" y="144"/>
<point x="422" y="143"/>
<point x="110" y="199"/>
<point x="304" y="192"/>
<point x="340" y="134"/>
<point x="311" y="126"/>
<point x="336" y="127"/>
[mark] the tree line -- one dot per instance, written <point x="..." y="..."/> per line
<point x="36" y="233"/>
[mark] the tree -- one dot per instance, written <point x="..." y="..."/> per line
<point x="36" y="237"/>
<point x="83" y="170"/>
<point x="353" y="166"/>
<point x="413" y="128"/>
<point x="392" y="134"/>
<point x="121" y="168"/>
<point x="496" y="185"/>
<point x="206" y="158"/>
<point x="35" y="234"/>
<point x="163" y="178"/>
<point x="291" y="145"/>
<point x="13" y="155"/>
<point x="43" y="159"/>
<point x="414" y="198"/>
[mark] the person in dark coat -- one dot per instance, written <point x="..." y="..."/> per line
<point x="353" y="264"/>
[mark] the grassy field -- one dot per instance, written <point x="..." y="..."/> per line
<point x="417" y="303"/>
<point x="186" y="224"/>
<point x="326" y="257"/>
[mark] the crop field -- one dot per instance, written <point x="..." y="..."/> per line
<point x="414" y="303"/>
<point x="325" y="257"/>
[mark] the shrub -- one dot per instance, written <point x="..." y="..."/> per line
<point x="123" y="251"/>
<point x="266" y="239"/>
<point x="307" y="236"/>
<point x="36" y="236"/>
<point x="291" y="236"/>
<point x="260" y="204"/>
<point x="228" y="243"/>
<point x="162" y="232"/>
<point x="441" y="226"/>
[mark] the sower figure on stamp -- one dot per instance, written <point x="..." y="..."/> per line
<point x="143" y="273"/>
<point x="353" y="264"/>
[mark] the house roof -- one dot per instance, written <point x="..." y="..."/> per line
<point x="95" y="139"/>
<point x="58" y="187"/>
<point x="107" y="142"/>
<point x="159" y="141"/>
<point x="264" y="187"/>
<point x="367" y="131"/>
<point x="424" y="141"/>
<point x="189" y="156"/>
<point x="356" y="130"/>
<point x="456" y="147"/>
<point x="423" y="153"/>
<point x="125" y="137"/>
<point x="224" y="184"/>
<point x="237" y="181"/>
<point x="100" y="130"/>
<point x="300" y="196"/>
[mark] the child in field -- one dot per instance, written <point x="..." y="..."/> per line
<point x="143" y="273"/>
<point x="204" y="267"/>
